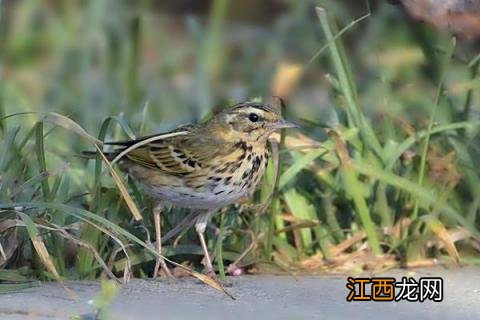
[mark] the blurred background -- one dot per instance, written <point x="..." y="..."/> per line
<point x="399" y="91"/>
<point x="179" y="59"/>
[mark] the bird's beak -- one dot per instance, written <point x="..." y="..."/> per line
<point x="283" y="124"/>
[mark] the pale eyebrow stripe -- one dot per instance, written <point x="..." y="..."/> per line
<point x="260" y="112"/>
<point x="262" y="107"/>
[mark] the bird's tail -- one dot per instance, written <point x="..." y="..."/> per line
<point x="93" y="154"/>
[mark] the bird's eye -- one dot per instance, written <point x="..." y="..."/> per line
<point x="253" y="117"/>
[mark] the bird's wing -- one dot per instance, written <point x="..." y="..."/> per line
<point x="185" y="152"/>
<point x="166" y="156"/>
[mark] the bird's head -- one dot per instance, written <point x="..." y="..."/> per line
<point x="251" y="121"/>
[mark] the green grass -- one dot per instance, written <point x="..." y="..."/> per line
<point x="390" y="169"/>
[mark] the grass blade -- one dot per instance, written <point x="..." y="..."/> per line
<point x="354" y="188"/>
<point x="39" y="245"/>
<point x="90" y="218"/>
<point x="300" y="164"/>
<point x="427" y="197"/>
<point x="356" y="118"/>
<point x="40" y="150"/>
<point x="121" y="187"/>
<point x="423" y="161"/>
<point x="59" y="120"/>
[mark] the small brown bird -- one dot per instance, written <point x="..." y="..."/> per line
<point x="203" y="167"/>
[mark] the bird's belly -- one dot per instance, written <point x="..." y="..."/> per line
<point x="210" y="193"/>
<point x="225" y="183"/>
<point x="190" y="198"/>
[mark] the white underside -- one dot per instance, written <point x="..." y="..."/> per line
<point x="185" y="198"/>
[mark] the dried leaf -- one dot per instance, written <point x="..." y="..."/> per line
<point x="424" y="263"/>
<point x="461" y="17"/>
<point x="442" y="168"/>
<point x="297" y="141"/>
<point x="314" y="262"/>
<point x="285" y="79"/>
<point x="70" y="125"/>
<point x="443" y="235"/>
<point x="39" y="245"/>
<point x="347" y="243"/>
<point x="9" y="240"/>
<point x="400" y="227"/>
<point x="121" y="187"/>
<point x="42" y="251"/>
<point x="212" y="283"/>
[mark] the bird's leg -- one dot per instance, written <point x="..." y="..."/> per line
<point x="200" y="226"/>
<point x="160" y="262"/>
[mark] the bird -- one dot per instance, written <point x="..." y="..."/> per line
<point x="202" y="167"/>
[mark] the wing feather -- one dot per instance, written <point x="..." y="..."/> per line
<point x="175" y="155"/>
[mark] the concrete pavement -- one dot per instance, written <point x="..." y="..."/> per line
<point x="257" y="297"/>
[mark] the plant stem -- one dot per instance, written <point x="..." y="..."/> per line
<point x="421" y="175"/>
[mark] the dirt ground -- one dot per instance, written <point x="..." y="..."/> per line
<point x="257" y="297"/>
